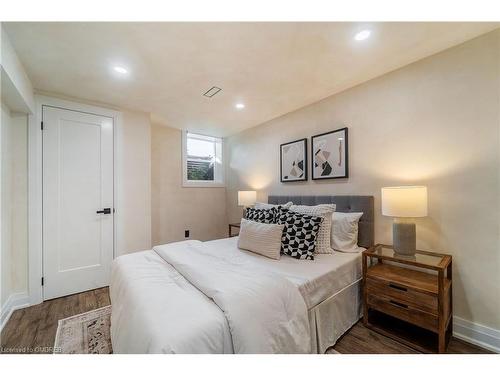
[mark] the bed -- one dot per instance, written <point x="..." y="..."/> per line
<point x="157" y="310"/>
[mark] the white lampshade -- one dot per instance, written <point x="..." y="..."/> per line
<point x="404" y="201"/>
<point x="247" y="198"/>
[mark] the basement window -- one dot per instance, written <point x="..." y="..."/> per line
<point x="202" y="160"/>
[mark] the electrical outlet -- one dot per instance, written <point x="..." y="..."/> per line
<point x="186" y="234"/>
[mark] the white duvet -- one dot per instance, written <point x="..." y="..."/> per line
<point x="207" y="302"/>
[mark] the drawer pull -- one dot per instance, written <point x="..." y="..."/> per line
<point x="398" y="287"/>
<point x="399" y="304"/>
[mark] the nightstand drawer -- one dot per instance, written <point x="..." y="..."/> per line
<point x="408" y="298"/>
<point x="404" y="312"/>
<point x="401" y="293"/>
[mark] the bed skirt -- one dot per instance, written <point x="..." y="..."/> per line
<point x="334" y="316"/>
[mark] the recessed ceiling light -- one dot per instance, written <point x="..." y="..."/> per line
<point x="120" y="69"/>
<point x="240" y="105"/>
<point x="362" y="35"/>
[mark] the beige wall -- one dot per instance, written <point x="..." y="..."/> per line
<point x="14" y="203"/>
<point x="175" y="208"/>
<point x="133" y="183"/>
<point x="435" y="122"/>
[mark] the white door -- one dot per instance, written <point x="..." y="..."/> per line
<point x="77" y="201"/>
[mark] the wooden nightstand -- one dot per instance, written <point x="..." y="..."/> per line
<point x="234" y="225"/>
<point x="409" y="298"/>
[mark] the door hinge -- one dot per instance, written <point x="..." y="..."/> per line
<point x="41" y="126"/>
<point x="42" y="281"/>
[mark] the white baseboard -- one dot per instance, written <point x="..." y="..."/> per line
<point x="477" y="334"/>
<point x="14" y="302"/>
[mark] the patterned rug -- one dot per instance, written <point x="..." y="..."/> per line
<point x="87" y="333"/>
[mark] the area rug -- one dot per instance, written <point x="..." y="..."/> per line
<point x="87" y="333"/>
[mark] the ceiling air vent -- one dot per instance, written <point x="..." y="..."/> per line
<point x="212" y="91"/>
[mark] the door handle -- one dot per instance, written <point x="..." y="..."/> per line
<point x="105" y="211"/>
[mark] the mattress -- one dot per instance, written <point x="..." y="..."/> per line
<point x="317" y="280"/>
<point x="152" y="311"/>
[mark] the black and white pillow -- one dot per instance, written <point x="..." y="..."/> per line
<point x="267" y="216"/>
<point x="299" y="234"/>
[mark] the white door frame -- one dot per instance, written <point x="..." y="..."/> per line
<point x="35" y="249"/>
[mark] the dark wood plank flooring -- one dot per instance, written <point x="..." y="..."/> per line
<point x="361" y="340"/>
<point x="33" y="329"/>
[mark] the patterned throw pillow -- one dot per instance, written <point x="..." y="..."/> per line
<point x="325" y="211"/>
<point x="262" y="216"/>
<point x="299" y="235"/>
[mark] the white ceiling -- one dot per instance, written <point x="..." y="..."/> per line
<point x="274" y="68"/>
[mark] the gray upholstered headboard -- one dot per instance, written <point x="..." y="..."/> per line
<point x="344" y="203"/>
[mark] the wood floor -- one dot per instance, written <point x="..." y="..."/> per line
<point x="361" y="340"/>
<point x="33" y="329"/>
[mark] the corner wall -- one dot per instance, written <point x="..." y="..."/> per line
<point x="18" y="78"/>
<point x="14" y="234"/>
<point x="175" y="208"/>
<point x="17" y="102"/>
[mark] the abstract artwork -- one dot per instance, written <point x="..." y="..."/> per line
<point x="293" y="161"/>
<point x="329" y="155"/>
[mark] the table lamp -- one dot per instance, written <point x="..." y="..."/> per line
<point x="404" y="203"/>
<point x="246" y="199"/>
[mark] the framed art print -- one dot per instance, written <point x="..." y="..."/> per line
<point x="329" y="155"/>
<point x="293" y="161"/>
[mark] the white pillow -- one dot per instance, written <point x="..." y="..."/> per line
<point x="267" y="206"/>
<point x="323" y="245"/>
<point x="345" y="231"/>
<point x="261" y="238"/>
